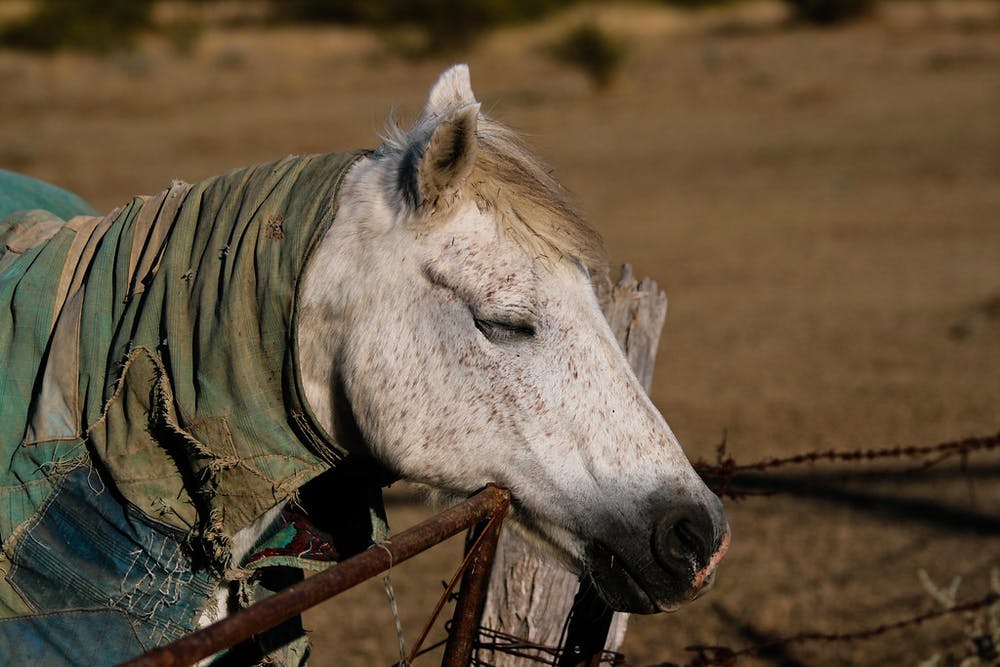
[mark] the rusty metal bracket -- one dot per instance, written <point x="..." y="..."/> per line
<point x="468" y="614"/>
<point x="487" y="507"/>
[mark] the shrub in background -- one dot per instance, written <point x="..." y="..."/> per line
<point x="444" y="26"/>
<point x="818" y="12"/>
<point x="698" y="4"/>
<point x="830" y="12"/>
<point x="97" y="26"/>
<point x="183" y="34"/>
<point x="591" y="49"/>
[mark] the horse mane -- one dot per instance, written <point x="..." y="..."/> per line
<point x="532" y="207"/>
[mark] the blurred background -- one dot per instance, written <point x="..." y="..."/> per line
<point x="814" y="183"/>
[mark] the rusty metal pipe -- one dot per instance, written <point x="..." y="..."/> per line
<point x="472" y="595"/>
<point x="295" y="599"/>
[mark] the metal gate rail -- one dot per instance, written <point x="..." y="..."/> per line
<point x="490" y="503"/>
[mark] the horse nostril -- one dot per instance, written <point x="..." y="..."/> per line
<point x="682" y="544"/>
<point x="675" y="544"/>
<point x="688" y="536"/>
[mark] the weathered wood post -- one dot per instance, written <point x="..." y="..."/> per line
<point x="530" y="595"/>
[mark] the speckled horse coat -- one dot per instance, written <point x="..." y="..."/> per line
<point x="150" y="404"/>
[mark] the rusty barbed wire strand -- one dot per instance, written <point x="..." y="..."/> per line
<point x="509" y="644"/>
<point x="724" y="656"/>
<point x="721" y="476"/>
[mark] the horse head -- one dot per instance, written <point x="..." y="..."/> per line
<point x="450" y="329"/>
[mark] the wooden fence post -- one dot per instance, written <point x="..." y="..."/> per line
<point x="530" y="595"/>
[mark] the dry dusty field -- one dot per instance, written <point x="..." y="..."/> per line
<point x="821" y="208"/>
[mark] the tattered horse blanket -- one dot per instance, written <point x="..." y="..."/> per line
<point x="22" y="193"/>
<point x="150" y="404"/>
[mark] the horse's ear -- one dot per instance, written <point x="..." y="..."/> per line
<point x="452" y="90"/>
<point x="447" y="158"/>
<point x="441" y="151"/>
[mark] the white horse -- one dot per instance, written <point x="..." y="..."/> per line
<point x="168" y="368"/>
<point x="452" y="330"/>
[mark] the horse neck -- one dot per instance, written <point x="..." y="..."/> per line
<point x="331" y="281"/>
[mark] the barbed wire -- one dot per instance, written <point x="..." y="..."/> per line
<point x="722" y="475"/>
<point x="723" y="656"/>
<point x="716" y="656"/>
<point x="497" y="641"/>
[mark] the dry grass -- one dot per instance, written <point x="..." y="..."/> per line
<point x="820" y="206"/>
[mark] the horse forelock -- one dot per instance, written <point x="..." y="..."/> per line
<point x="529" y="204"/>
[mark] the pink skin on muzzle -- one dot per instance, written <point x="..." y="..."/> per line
<point x="704" y="575"/>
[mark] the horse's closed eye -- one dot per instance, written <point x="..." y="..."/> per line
<point x="497" y="331"/>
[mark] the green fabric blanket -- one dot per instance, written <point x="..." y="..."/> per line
<point x="153" y="349"/>
<point x="22" y="193"/>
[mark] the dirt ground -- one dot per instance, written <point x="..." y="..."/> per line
<point x="821" y="207"/>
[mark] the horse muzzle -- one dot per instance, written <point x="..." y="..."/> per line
<point x="677" y="565"/>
